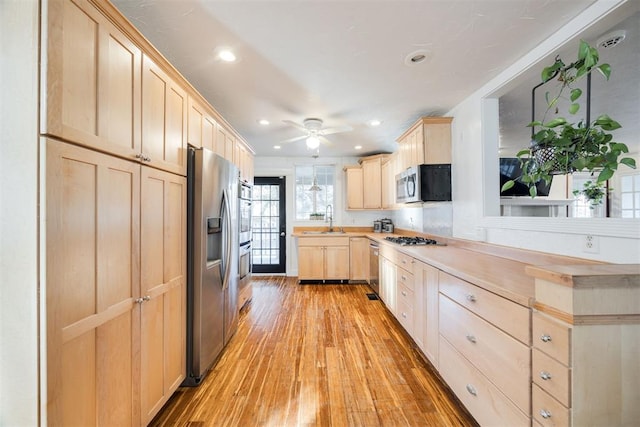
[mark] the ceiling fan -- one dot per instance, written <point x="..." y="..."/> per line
<point x="314" y="132"/>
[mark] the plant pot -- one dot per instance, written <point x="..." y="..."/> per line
<point x="560" y="164"/>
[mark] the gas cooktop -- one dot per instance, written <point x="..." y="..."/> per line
<point x="413" y="241"/>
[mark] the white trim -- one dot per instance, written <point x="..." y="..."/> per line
<point x="612" y="227"/>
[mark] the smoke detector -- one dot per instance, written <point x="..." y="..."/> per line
<point x="611" y="40"/>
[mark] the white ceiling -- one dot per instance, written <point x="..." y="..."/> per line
<point x="342" y="61"/>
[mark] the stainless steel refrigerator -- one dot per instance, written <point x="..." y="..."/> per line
<point x="212" y="259"/>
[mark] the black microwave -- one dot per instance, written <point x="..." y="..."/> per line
<point x="424" y="183"/>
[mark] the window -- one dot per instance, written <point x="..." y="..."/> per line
<point x="309" y="201"/>
<point x="630" y="195"/>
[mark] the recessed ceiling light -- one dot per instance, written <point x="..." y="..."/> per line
<point x="358" y="147"/>
<point x="263" y="122"/>
<point x="374" y="122"/>
<point x="276" y="147"/>
<point x="226" y="55"/>
<point x="417" y="57"/>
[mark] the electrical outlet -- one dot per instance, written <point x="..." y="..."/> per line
<point x="591" y="244"/>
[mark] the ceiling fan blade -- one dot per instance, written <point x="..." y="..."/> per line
<point x="297" y="138"/>
<point x="325" y="141"/>
<point x="339" y="129"/>
<point x="296" y="125"/>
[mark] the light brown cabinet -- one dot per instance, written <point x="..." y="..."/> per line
<point x="586" y="335"/>
<point x="115" y="287"/>
<point x="92" y="82"/>
<point x="426" y="308"/>
<point x="163" y="287"/>
<point x="364" y="183"/>
<point x="359" y="258"/>
<point x="355" y="195"/>
<point x="92" y="283"/>
<point x="427" y="141"/>
<point x="164" y="119"/>
<point x="475" y="327"/>
<point x="323" y="258"/>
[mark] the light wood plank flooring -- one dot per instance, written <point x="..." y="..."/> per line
<point x="316" y="355"/>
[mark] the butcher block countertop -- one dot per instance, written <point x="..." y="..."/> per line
<point x="498" y="269"/>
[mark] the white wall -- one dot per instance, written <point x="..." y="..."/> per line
<point x="285" y="166"/>
<point x="19" y="213"/>
<point x="474" y="151"/>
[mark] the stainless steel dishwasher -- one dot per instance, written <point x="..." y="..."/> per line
<point x="374" y="282"/>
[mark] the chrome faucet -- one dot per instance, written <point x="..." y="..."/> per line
<point x="328" y="213"/>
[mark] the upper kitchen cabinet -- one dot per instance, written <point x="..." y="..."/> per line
<point x="427" y="141"/>
<point x="369" y="173"/>
<point x="90" y="80"/>
<point x="203" y="128"/>
<point x="164" y="119"/>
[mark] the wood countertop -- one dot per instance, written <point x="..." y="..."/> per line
<point x="505" y="271"/>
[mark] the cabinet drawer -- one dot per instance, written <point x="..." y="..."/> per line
<point x="552" y="337"/>
<point x="405" y="316"/>
<point x="483" y="400"/>
<point x="507" y="315"/>
<point x="552" y="376"/>
<point x="405" y="261"/>
<point x="502" y="359"/>
<point x="405" y="294"/>
<point x="323" y="241"/>
<point x="405" y="279"/>
<point x="547" y="411"/>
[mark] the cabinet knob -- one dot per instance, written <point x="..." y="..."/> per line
<point x="471" y="338"/>
<point x="472" y="390"/>
<point x="470" y="297"/>
<point x="545" y="375"/>
<point x="545" y="338"/>
<point x="404" y="278"/>
<point x="404" y="294"/>
<point x="545" y="414"/>
<point x="146" y="298"/>
<point x="404" y="315"/>
<point x="138" y="300"/>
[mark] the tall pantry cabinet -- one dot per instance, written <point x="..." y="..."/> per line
<point x="113" y="127"/>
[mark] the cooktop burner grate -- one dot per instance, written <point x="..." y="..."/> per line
<point x="408" y="241"/>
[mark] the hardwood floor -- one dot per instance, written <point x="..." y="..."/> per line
<point x="307" y="355"/>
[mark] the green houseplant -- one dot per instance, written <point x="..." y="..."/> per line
<point x="593" y="191"/>
<point x="563" y="147"/>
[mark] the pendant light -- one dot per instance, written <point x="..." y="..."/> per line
<point x="315" y="186"/>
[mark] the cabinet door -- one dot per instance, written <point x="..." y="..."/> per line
<point x="209" y="133"/>
<point x="164" y="118"/>
<point x="372" y="193"/>
<point x="92" y="280"/>
<point x="427" y="314"/>
<point x="195" y="117"/>
<point x="91" y="80"/>
<point x="388" y="283"/>
<point x="311" y="262"/>
<point x="437" y="142"/>
<point x="359" y="258"/>
<point x="163" y="286"/>
<point x="355" y="193"/>
<point x="336" y="262"/>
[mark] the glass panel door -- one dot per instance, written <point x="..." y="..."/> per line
<point x="269" y="225"/>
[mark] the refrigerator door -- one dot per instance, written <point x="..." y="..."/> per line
<point x="212" y="279"/>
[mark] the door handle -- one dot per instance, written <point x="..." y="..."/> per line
<point x="282" y="234"/>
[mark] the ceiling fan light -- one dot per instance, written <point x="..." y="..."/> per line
<point x="313" y="142"/>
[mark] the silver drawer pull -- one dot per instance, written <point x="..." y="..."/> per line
<point x="545" y="338"/>
<point x="545" y="375"/>
<point x="138" y="300"/>
<point x="545" y="414"/>
<point x="471" y="338"/>
<point x="470" y="297"/>
<point x="472" y="390"/>
<point x="404" y="315"/>
<point x="404" y="278"/>
<point x="404" y="294"/>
